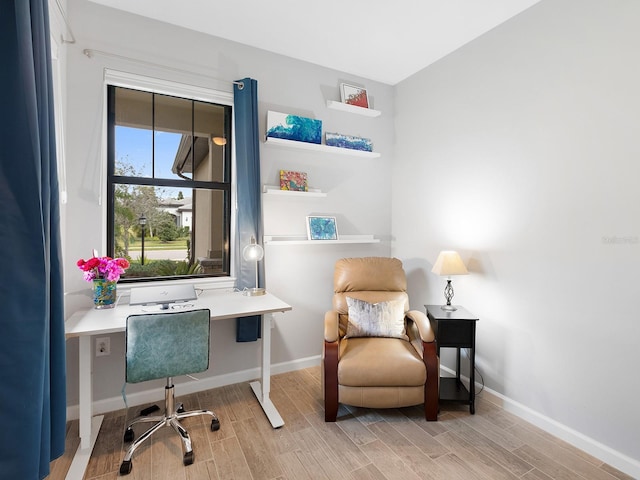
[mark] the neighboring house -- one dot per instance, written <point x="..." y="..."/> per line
<point x="184" y="216"/>
<point x="181" y="210"/>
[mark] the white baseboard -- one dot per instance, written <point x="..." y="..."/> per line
<point x="602" y="452"/>
<point x="192" y="386"/>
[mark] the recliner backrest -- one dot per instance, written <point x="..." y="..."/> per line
<point x="372" y="279"/>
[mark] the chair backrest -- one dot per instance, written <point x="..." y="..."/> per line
<point x="372" y="279"/>
<point x="161" y="345"/>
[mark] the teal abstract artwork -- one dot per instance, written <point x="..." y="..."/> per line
<point x="293" y="127"/>
<point x="322" y="228"/>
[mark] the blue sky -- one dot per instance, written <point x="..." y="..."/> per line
<point x="134" y="146"/>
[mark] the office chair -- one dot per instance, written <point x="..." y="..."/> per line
<point x="166" y="345"/>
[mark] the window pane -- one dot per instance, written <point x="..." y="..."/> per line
<point x="211" y="246"/>
<point x="175" y="146"/>
<point x="133" y="132"/>
<point x="167" y="146"/>
<point x="209" y="125"/>
<point x="167" y="232"/>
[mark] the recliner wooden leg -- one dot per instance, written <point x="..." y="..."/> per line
<point x="431" y="396"/>
<point x="330" y="381"/>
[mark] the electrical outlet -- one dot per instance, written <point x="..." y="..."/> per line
<point x="103" y="346"/>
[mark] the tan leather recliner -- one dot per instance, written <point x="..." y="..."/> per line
<point x="377" y="372"/>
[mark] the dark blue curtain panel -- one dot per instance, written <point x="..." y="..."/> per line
<point x="32" y="344"/>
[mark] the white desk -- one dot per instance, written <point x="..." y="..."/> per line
<point x="223" y="305"/>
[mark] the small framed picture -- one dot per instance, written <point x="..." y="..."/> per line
<point x="322" y="228"/>
<point x="352" y="95"/>
<point x="293" y="181"/>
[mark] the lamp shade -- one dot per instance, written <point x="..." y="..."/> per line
<point x="253" y="251"/>
<point x="449" y="263"/>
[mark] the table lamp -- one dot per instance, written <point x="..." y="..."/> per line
<point x="253" y="253"/>
<point x="449" y="263"/>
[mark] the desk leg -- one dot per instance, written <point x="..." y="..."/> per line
<point x="89" y="425"/>
<point x="85" y="404"/>
<point x="262" y="388"/>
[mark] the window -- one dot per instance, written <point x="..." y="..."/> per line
<point x="168" y="184"/>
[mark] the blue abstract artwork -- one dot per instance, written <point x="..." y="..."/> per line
<point x="322" y="228"/>
<point x="348" y="141"/>
<point x="293" y="127"/>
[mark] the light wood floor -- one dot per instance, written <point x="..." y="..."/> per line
<point x="363" y="444"/>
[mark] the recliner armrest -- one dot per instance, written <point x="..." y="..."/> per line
<point x="421" y="321"/>
<point x="331" y="326"/>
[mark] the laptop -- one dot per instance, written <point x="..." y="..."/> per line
<point x="162" y="295"/>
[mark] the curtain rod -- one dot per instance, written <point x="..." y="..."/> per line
<point x="89" y="53"/>
<point x="66" y="22"/>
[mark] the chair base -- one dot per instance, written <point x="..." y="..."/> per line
<point x="171" y="417"/>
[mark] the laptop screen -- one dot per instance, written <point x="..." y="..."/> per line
<point x="162" y="295"/>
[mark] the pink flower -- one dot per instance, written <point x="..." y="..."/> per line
<point x="103" y="267"/>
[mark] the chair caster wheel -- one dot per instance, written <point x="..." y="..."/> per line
<point x="180" y="408"/>
<point x="215" y="425"/>
<point x="128" y="435"/>
<point x="125" y="468"/>
<point x="188" y="458"/>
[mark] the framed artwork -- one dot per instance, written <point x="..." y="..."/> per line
<point x="294" y="181"/>
<point x="348" y="141"/>
<point x="293" y="127"/>
<point x="352" y="95"/>
<point x="321" y="228"/>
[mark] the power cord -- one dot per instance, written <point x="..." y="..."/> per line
<point x="466" y="351"/>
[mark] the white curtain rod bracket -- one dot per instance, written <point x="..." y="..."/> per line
<point x="66" y="22"/>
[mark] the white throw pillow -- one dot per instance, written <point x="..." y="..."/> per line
<point x="382" y="319"/>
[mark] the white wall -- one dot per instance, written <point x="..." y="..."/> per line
<point x="358" y="190"/>
<point x="521" y="151"/>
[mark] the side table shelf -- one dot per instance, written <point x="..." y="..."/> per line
<point x="345" y="107"/>
<point x="317" y="147"/>
<point x="302" y="240"/>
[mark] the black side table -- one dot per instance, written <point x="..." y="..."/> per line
<point x="456" y="329"/>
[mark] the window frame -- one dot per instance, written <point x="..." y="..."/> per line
<point x="189" y="92"/>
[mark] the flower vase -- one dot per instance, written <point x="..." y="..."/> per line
<point x="104" y="293"/>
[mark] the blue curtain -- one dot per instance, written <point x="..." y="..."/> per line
<point x="249" y="214"/>
<point x="32" y="344"/>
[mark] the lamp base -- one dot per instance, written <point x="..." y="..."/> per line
<point x="448" y="295"/>
<point x="254" y="292"/>
<point x="448" y="308"/>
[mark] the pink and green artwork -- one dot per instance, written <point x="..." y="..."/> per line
<point x="293" y="181"/>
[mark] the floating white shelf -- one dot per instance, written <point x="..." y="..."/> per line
<point x="281" y="142"/>
<point x="345" y="107"/>
<point x="302" y="240"/>
<point x="275" y="190"/>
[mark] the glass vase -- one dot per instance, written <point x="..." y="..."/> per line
<point x="104" y="293"/>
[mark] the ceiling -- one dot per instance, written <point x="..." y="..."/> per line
<point x="381" y="40"/>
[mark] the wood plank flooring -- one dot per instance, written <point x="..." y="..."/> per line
<point x="363" y="445"/>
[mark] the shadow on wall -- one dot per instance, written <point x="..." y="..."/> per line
<point x="419" y="281"/>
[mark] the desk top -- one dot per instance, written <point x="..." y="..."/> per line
<point x="223" y="305"/>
